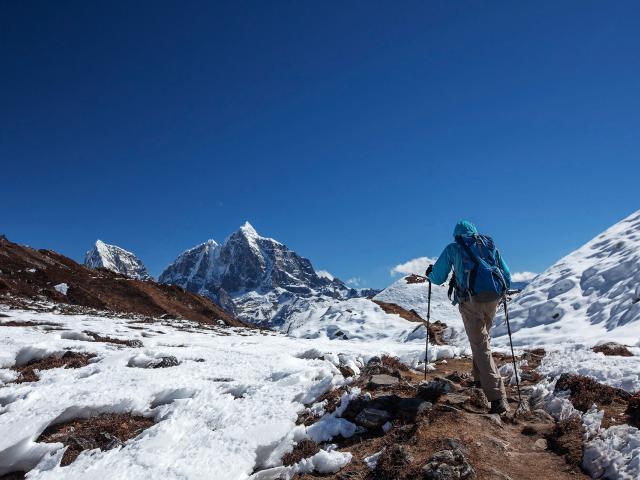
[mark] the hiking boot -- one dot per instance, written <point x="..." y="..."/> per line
<point x="499" y="406"/>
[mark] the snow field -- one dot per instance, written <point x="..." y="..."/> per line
<point x="228" y="409"/>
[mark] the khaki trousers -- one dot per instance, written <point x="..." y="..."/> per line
<point x="478" y="318"/>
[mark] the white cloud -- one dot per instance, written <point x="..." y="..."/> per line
<point x="325" y="274"/>
<point x="523" y="276"/>
<point x="416" y="265"/>
<point x="354" y="282"/>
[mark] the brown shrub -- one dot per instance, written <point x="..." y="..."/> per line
<point x="633" y="410"/>
<point x="105" y="431"/>
<point x="346" y="371"/>
<point x="566" y="439"/>
<point x="394" y="463"/>
<point x="68" y="360"/>
<point x="613" y="349"/>
<point x="413" y="278"/>
<point x="116" y="341"/>
<point x="393" y="363"/>
<point x="305" y="449"/>
<point x="586" y="391"/>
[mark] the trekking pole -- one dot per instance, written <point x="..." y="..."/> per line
<point x="426" y="346"/>
<point x="513" y="356"/>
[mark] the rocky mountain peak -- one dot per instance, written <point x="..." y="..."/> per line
<point x="251" y="275"/>
<point x="116" y="259"/>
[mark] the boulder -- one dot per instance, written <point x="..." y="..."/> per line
<point x="433" y="390"/>
<point x="169" y="361"/>
<point x="382" y="381"/>
<point x="448" y="465"/>
<point x="408" y="409"/>
<point x="372" y="418"/>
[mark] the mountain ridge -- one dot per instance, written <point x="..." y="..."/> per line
<point x="257" y="278"/>
<point x="29" y="277"/>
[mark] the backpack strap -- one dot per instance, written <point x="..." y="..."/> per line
<point x="472" y="257"/>
<point x="452" y="286"/>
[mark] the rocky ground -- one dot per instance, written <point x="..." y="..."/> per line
<point x="438" y="428"/>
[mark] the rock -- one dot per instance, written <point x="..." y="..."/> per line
<point x="458" y="377"/>
<point x="372" y="418"/>
<point x="374" y="361"/>
<point x="457" y="399"/>
<point x="540" y="444"/>
<point x="392" y="460"/>
<point x="382" y="381"/>
<point x="447" y="465"/>
<point x="355" y="406"/>
<point x="542" y="415"/>
<point x="169" y="361"/>
<point x="477" y="398"/>
<point x="408" y="409"/>
<point x="498" y="475"/>
<point x="436" y="388"/>
<point x="452" y="444"/>
<point x="493" y="418"/>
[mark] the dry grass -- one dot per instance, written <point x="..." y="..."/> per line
<point x="68" y="360"/>
<point x="633" y="410"/>
<point x="304" y="449"/>
<point x="586" y="391"/>
<point x="105" y="432"/>
<point x="566" y="440"/>
<point x="613" y="349"/>
<point x="115" y="341"/>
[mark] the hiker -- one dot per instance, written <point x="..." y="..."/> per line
<point x="480" y="279"/>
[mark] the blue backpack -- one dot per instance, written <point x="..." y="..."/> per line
<point x="483" y="280"/>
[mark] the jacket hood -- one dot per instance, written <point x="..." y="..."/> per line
<point x="464" y="228"/>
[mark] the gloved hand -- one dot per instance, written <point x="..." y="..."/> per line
<point x="429" y="270"/>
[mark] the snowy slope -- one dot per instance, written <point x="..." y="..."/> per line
<point x="592" y="294"/>
<point x="361" y="319"/>
<point x="117" y="260"/>
<point x="228" y="409"/>
<point x="255" y="277"/>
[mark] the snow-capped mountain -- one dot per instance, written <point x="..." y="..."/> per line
<point x="116" y="259"/>
<point x="592" y="293"/>
<point x="257" y="278"/>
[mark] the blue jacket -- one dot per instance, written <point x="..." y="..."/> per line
<point x="452" y="255"/>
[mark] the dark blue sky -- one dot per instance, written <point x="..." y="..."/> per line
<point x="357" y="133"/>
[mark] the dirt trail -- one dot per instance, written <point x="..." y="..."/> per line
<point x="494" y="447"/>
